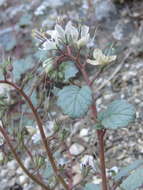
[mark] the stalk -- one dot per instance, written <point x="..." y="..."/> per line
<point x="100" y="134"/>
<point x="42" y="133"/>
<point x="34" y="178"/>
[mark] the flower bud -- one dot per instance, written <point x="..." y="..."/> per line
<point x="48" y="65"/>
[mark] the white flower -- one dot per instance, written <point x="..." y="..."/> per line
<point x="100" y="58"/>
<point x="48" y="64"/>
<point x="70" y="34"/>
<point x="84" y="37"/>
<point x="88" y="160"/>
<point x="49" y="45"/>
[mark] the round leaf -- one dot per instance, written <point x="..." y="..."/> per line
<point x="70" y="70"/>
<point x="92" y="186"/>
<point x="117" y="115"/>
<point x="75" y="101"/>
<point x="134" y="181"/>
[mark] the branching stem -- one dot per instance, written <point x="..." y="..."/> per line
<point x="42" y="133"/>
<point x="34" y="178"/>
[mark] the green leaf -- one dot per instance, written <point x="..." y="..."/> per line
<point x="126" y="170"/>
<point x="47" y="171"/>
<point x="21" y="66"/>
<point x="134" y="181"/>
<point x="117" y="115"/>
<point x="70" y="70"/>
<point x="7" y="39"/>
<point x="55" y="91"/>
<point x="75" y="101"/>
<point x="25" y="20"/>
<point x="92" y="186"/>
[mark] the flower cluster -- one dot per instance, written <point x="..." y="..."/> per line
<point x="71" y="35"/>
<point x="60" y="38"/>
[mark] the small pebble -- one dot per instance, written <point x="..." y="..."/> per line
<point x="23" y="179"/>
<point x="76" y="149"/>
<point x="12" y="165"/>
<point x="83" y="132"/>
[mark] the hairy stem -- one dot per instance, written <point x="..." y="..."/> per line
<point x="100" y="134"/>
<point x="34" y="178"/>
<point x="43" y="137"/>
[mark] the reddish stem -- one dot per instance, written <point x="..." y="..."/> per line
<point x="42" y="133"/>
<point x="34" y="178"/>
<point x="100" y="134"/>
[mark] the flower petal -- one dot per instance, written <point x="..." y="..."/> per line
<point x="60" y="31"/>
<point x="112" y="58"/>
<point x="49" y="45"/>
<point x="71" y="32"/>
<point x="83" y="41"/>
<point x="54" y="35"/>
<point x="97" y="53"/>
<point x="84" y="30"/>
<point x="93" y="62"/>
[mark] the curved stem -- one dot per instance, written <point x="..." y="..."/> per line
<point x="19" y="161"/>
<point x="40" y="126"/>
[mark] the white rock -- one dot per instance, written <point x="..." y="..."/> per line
<point x="27" y="162"/>
<point x="23" y="179"/>
<point x="76" y="149"/>
<point x="135" y="40"/>
<point x="96" y="180"/>
<point x="98" y="101"/>
<point x="12" y="181"/>
<point x="2" y="2"/>
<point x="11" y="173"/>
<point x="83" y="132"/>
<point x="25" y="186"/>
<point x="112" y="171"/>
<point x="108" y="96"/>
<point x="77" y="178"/>
<point x="76" y="168"/>
<point x="118" y="32"/>
<point x="103" y="9"/>
<point x="129" y="75"/>
<point x="12" y="165"/>
<point x="3" y="173"/>
<point x="19" y="171"/>
<point x="4" y="184"/>
<point x="137" y="100"/>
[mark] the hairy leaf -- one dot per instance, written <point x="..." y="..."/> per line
<point x="117" y="115"/>
<point x="126" y="170"/>
<point x="92" y="186"/>
<point x="70" y="70"/>
<point x="75" y="101"/>
<point x="134" y="181"/>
